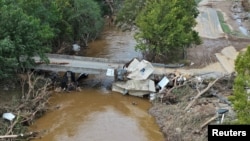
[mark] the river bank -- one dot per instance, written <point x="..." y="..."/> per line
<point x="174" y="121"/>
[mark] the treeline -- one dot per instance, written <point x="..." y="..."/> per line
<point x="35" y="27"/>
<point x="165" y="27"/>
<point x="241" y="95"/>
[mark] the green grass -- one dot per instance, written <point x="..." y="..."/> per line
<point x="223" y="24"/>
<point x="226" y="28"/>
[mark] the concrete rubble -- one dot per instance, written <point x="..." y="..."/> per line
<point x="136" y="78"/>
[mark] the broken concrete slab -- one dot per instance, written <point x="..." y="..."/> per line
<point x="139" y="70"/>
<point x="227" y="63"/>
<point x="230" y="52"/>
<point x="134" y="87"/>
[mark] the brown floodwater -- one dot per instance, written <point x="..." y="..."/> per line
<point x="114" y="44"/>
<point x="96" y="113"/>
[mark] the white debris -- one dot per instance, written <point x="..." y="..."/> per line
<point x="110" y="72"/>
<point x="152" y="96"/>
<point x="164" y="81"/>
<point x="9" y="116"/>
<point x="76" y="47"/>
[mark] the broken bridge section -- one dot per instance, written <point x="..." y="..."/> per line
<point x="78" y="64"/>
<point x="89" y="65"/>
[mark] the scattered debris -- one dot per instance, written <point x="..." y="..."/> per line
<point x="121" y="75"/>
<point x="26" y="135"/>
<point x="152" y="96"/>
<point x="8" y="116"/>
<point x="24" y="111"/>
<point x="200" y="93"/>
<point x="110" y="72"/>
<point x="190" y="102"/>
<point x="76" y="48"/>
<point x="164" y="81"/>
<point x="69" y="82"/>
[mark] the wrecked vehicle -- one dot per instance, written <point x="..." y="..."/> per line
<point x="69" y="82"/>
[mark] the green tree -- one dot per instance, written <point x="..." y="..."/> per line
<point x="129" y="11"/>
<point x="71" y="20"/>
<point x="86" y="20"/>
<point x="166" y="26"/>
<point x="25" y="35"/>
<point x="53" y="13"/>
<point x="7" y="58"/>
<point x="31" y="28"/>
<point x="241" y="96"/>
<point x="105" y="8"/>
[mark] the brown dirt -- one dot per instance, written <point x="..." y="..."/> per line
<point x="204" y="54"/>
<point x="179" y="125"/>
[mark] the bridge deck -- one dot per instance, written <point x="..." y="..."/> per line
<point x="79" y="64"/>
<point x="90" y="65"/>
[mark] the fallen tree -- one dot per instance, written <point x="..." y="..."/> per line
<point x="30" y="106"/>
<point x="201" y="92"/>
<point x="185" y="109"/>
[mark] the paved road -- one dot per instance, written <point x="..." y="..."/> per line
<point x="79" y="64"/>
<point x="208" y="24"/>
<point x="100" y="65"/>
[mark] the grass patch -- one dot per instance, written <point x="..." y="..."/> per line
<point x="223" y="24"/>
<point x="226" y="28"/>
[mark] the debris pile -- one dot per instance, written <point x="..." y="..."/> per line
<point x="136" y="78"/>
<point x="184" y="110"/>
<point x="68" y="82"/>
<point x="133" y="78"/>
<point x="17" y="116"/>
<point x="183" y="105"/>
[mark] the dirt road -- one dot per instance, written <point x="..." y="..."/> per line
<point x="204" y="54"/>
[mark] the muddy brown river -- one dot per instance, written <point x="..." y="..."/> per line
<point x="96" y="113"/>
